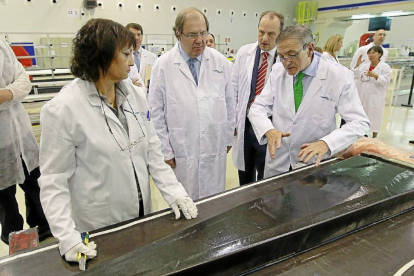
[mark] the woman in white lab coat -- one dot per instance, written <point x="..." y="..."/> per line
<point x="98" y="147"/>
<point x="332" y="46"/>
<point x="372" y="80"/>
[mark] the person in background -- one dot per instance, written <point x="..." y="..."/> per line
<point x="332" y="45"/>
<point x="251" y="71"/>
<point x="98" y="146"/>
<point x="192" y="107"/>
<point x="372" y="80"/>
<point x="19" y="153"/>
<point x="211" y="41"/>
<point x="303" y="94"/>
<point x="142" y="57"/>
<point x="405" y="52"/>
<point x="378" y="39"/>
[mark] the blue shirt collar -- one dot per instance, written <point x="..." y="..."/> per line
<point x="313" y="67"/>
<point x="184" y="54"/>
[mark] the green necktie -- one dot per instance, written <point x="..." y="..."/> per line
<point x="298" y="90"/>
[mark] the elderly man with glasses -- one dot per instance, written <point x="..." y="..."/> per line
<point x="192" y="107"/>
<point x="303" y="94"/>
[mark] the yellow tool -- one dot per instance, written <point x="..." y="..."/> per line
<point x="82" y="257"/>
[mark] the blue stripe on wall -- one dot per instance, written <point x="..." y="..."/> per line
<point x="362" y="4"/>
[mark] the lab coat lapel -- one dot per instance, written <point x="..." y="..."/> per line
<point x="250" y="63"/>
<point x="315" y="85"/>
<point x="290" y="101"/>
<point x="182" y="65"/>
<point x="134" y="120"/>
<point x="91" y="94"/>
<point x="204" y="62"/>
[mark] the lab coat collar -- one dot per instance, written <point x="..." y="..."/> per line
<point x="321" y="70"/>
<point x="92" y="96"/>
<point x="251" y="55"/>
<point x="182" y="64"/>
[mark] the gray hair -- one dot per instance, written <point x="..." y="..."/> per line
<point x="300" y="32"/>
<point x="273" y="15"/>
<point x="184" y="15"/>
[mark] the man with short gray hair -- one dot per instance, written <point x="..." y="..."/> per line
<point x="303" y="94"/>
<point x="250" y="73"/>
<point x="192" y="107"/>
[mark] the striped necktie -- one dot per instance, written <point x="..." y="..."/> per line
<point x="298" y="90"/>
<point x="261" y="78"/>
<point x="191" y="65"/>
<point x="137" y="60"/>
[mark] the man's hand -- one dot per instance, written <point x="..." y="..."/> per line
<point x="187" y="206"/>
<point x="274" y="140"/>
<point x="171" y="162"/>
<point x="136" y="82"/>
<point x="308" y="151"/>
<point x="89" y="250"/>
<point x="5" y="95"/>
<point x="228" y="149"/>
<point x="371" y="74"/>
<point x="359" y="61"/>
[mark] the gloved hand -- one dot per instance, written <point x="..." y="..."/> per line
<point x="187" y="206"/>
<point x="89" y="250"/>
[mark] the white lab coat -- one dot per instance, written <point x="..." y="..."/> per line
<point x="87" y="182"/>
<point x="241" y="82"/>
<point x="364" y="52"/>
<point x="372" y="92"/>
<point x="194" y="123"/>
<point x="328" y="56"/>
<point x="16" y="134"/>
<point x="134" y="74"/>
<point x="147" y="58"/>
<point x="331" y="91"/>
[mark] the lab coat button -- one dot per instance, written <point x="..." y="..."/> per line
<point x="294" y="123"/>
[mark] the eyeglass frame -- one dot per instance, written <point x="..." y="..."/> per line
<point x="195" y="36"/>
<point x="131" y="145"/>
<point x="292" y="57"/>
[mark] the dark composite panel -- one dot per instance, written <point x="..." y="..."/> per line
<point x="249" y="228"/>
<point x="313" y="210"/>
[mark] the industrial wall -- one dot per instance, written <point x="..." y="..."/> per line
<point x="46" y="16"/>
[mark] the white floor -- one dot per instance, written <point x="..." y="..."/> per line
<point x="397" y="130"/>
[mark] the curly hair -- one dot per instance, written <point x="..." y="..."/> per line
<point x="95" y="46"/>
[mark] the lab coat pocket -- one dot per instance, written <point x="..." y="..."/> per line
<point x="218" y="85"/>
<point x="91" y="216"/>
<point x="177" y="141"/>
<point x="324" y="111"/>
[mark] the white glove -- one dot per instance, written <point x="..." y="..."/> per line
<point x="187" y="206"/>
<point x="89" y="250"/>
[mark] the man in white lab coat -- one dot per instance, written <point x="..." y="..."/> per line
<point x="19" y="153"/>
<point x="251" y="71"/>
<point x="192" y="107"/>
<point x="377" y="40"/>
<point x="142" y="57"/>
<point x="303" y="100"/>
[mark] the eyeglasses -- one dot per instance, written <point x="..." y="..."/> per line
<point x="292" y="57"/>
<point x="194" y="36"/>
<point x="138" y="140"/>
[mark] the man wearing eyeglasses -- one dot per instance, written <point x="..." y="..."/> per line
<point x="192" y="107"/>
<point x="362" y="52"/>
<point x="303" y="99"/>
<point x="259" y="57"/>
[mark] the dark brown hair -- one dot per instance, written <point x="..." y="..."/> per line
<point x="273" y="15"/>
<point x="95" y="46"/>
<point x="377" y="49"/>
<point x="135" y="26"/>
